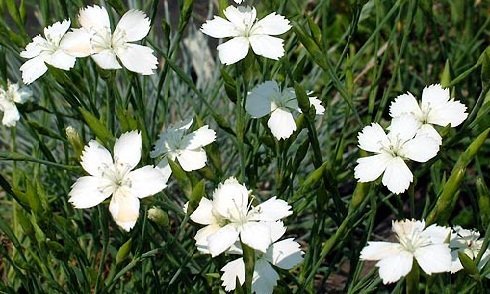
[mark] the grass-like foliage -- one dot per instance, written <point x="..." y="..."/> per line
<point x="287" y="145"/>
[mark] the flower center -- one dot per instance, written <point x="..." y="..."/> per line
<point x="413" y="241"/>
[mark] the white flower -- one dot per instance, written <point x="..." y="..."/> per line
<point x="401" y="143"/>
<point x="284" y="254"/>
<point x="13" y="94"/>
<point x="436" y="108"/>
<point x="50" y="50"/>
<point x="268" y="98"/>
<point x="116" y="177"/>
<point x="229" y="216"/>
<point x="187" y="148"/>
<point x="242" y="26"/>
<point x="467" y="242"/>
<point x="428" y="246"/>
<point x="95" y="38"/>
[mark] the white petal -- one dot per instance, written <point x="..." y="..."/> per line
<point x="165" y="169"/>
<point x="405" y="104"/>
<point x="35" y="47"/>
<point x="137" y="58"/>
<point x="372" y="138"/>
<point x="267" y="46"/>
<point x="281" y="123"/>
<point x="406" y="229"/>
<point x="380" y="250"/>
<point x="456" y="265"/>
<point x="256" y="235"/>
<point x="32" y="69"/>
<point x="230" y="199"/>
<point x="56" y="31"/>
<point x="147" y="181"/>
<point x="317" y="104"/>
<point x="285" y="254"/>
<point x="85" y="192"/>
<point x="370" y="168"/>
<point x="240" y="16"/>
<point x="127" y="150"/>
<point x="452" y="113"/>
<point x="77" y="43"/>
<point x="192" y="159"/>
<point x="428" y="130"/>
<point x="202" y="235"/>
<point x="277" y="230"/>
<point x="231" y="271"/>
<point x="219" y="28"/>
<point x="21" y="95"/>
<point x="199" y="138"/>
<point x="403" y="127"/>
<point x="10" y="115"/>
<point x="233" y="50"/>
<point x="265" y="277"/>
<point x="436" y="234"/>
<point x="94" y="17"/>
<point x="272" y="24"/>
<point x="434" y="258"/>
<point x="203" y="214"/>
<point x="258" y="102"/>
<point x="133" y="25"/>
<point x="397" y="176"/>
<point x="106" y="59"/>
<point x="60" y="59"/>
<point x="125" y="209"/>
<point x="95" y="158"/>
<point x="420" y="149"/>
<point x="271" y="210"/>
<point x="434" y="96"/>
<point x="222" y="239"/>
<point x="393" y="267"/>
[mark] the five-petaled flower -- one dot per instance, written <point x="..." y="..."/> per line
<point x="402" y="143"/>
<point x="469" y="243"/>
<point x="96" y="39"/>
<point x="268" y="98"/>
<point x="8" y="97"/>
<point x="187" y="147"/>
<point x="116" y="177"/>
<point x="284" y="254"/>
<point x="246" y="31"/>
<point x="427" y="245"/>
<point x="51" y="50"/>
<point x="230" y="217"/>
<point x="436" y="108"/>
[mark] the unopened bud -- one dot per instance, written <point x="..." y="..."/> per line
<point x="158" y="216"/>
<point x="75" y="141"/>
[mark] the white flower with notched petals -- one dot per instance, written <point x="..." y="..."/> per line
<point x="229" y="217"/>
<point x="95" y="38"/>
<point x="246" y="31"/>
<point x="51" y="50"/>
<point x="469" y="243"/>
<point x="116" y="177"/>
<point x="284" y="254"/>
<point x="177" y="143"/>
<point x="8" y="98"/>
<point x="436" y="108"/>
<point x="402" y="143"/>
<point x="427" y="245"/>
<point x="268" y="98"/>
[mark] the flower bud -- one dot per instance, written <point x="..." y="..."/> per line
<point x="158" y="216"/>
<point x="75" y="141"/>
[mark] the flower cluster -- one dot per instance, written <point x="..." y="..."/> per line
<point x="411" y="137"/>
<point x="60" y="48"/>
<point x="9" y="96"/>
<point x="230" y="219"/>
<point x="433" y="247"/>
